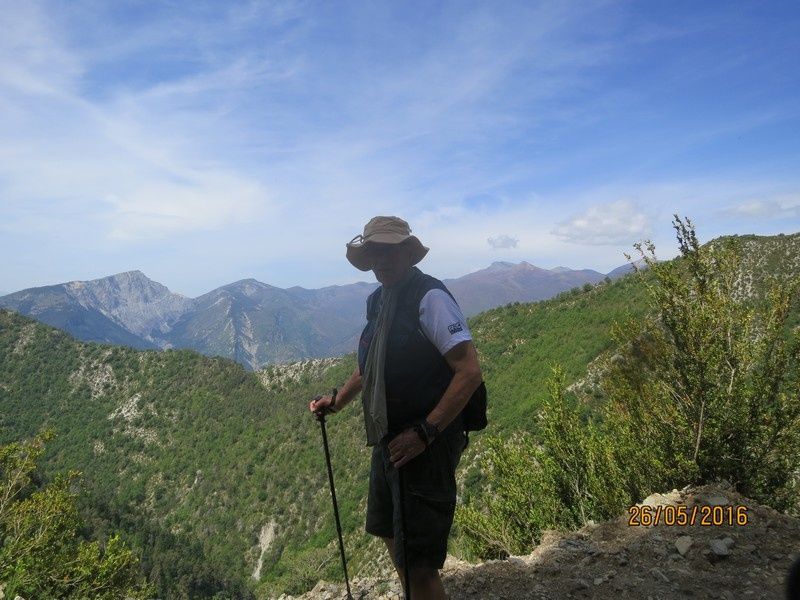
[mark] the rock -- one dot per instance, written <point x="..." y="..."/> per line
<point x="581" y="584"/>
<point x="719" y="550"/>
<point x="717" y="500"/>
<point x="728" y="541"/>
<point x="319" y="588"/>
<point x="658" y="500"/>
<point x="604" y="577"/>
<point x="658" y="574"/>
<point x="683" y="543"/>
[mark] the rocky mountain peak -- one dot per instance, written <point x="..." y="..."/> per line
<point x="500" y="265"/>
<point x="129" y="286"/>
<point x="249" y="287"/>
<point x="132" y="300"/>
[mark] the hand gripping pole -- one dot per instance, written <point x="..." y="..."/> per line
<point x="321" y="418"/>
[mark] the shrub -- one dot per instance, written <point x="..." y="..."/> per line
<point x="709" y="381"/>
<point x="42" y="554"/>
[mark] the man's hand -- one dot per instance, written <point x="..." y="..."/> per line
<point x="404" y="447"/>
<point x="321" y="404"/>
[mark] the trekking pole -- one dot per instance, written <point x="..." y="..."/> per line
<point x="403" y="531"/>
<point x="321" y="419"/>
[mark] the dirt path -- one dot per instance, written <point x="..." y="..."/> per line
<point x="614" y="560"/>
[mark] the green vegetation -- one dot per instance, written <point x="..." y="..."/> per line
<point x="190" y="458"/>
<point x="42" y="552"/>
<point x="704" y="388"/>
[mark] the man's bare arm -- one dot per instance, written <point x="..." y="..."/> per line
<point x="463" y="359"/>
<point x="349" y="390"/>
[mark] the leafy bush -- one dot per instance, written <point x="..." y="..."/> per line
<point x="41" y="552"/>
<point x="519" y="502"/>
<point x="563" y="482"/>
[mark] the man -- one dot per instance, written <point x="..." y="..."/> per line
<point x="417" y="369"/>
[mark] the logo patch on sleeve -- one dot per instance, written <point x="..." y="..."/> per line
<point x="454" y="328"/>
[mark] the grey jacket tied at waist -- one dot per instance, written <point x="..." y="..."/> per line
<point x="373" y="393"/>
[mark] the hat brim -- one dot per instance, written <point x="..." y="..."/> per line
<point x="358" y="254"/>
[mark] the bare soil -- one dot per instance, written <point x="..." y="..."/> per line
<point x="614" y="560"/>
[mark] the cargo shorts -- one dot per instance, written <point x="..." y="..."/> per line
<point x="430" y="498"/>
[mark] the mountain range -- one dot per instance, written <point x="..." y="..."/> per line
<point x="255" y="323"/>
<point x="216" y="476"/>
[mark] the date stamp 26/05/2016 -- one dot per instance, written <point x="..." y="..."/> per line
<point x="699" y="514"/>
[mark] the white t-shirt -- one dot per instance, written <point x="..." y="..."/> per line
<point x="442" y="320"/>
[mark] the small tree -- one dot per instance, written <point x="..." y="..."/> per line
<point x="578" y="460"/>
<point x="561" y="483"/>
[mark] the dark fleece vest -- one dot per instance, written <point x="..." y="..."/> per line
<point x="416" y="375"/>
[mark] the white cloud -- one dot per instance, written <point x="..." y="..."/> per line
<point x="137" y="164"/>
<point x="254" y="130"/>
<point x="781" y="207"/>
<point x="502" y="241"/>
<point x="207" y="202"/>
<point x="614" y="223"/>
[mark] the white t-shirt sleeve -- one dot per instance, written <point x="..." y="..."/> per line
<point x="442" y="320"/>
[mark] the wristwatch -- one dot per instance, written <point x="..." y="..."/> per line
<point x="426" y="431"/>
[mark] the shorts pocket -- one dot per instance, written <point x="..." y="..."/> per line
<point x="433" y="497"/>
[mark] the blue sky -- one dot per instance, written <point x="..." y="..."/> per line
<point x="206" y="142"/>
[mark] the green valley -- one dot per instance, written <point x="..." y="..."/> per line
<point x="215" y="475"/>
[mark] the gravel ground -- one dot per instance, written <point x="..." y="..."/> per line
<point x="614" y="560"/>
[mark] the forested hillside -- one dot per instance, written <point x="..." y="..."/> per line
<point x="215" y="474"/>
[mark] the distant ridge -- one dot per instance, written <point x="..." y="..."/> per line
<point x="255" y="323"/>
<point x="504" y="282"/>
<point x="126" y="308"/>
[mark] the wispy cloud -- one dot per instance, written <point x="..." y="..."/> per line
<point x="222" y="134"/>
<point x="782" y="207"/>
<point x="616" y="223"/>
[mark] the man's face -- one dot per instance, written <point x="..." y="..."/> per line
<point x="389" y="262"/>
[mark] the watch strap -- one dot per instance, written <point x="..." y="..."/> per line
<point x="427" y="432"/>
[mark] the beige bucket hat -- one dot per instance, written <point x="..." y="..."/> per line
<point x="383" y="230"/>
